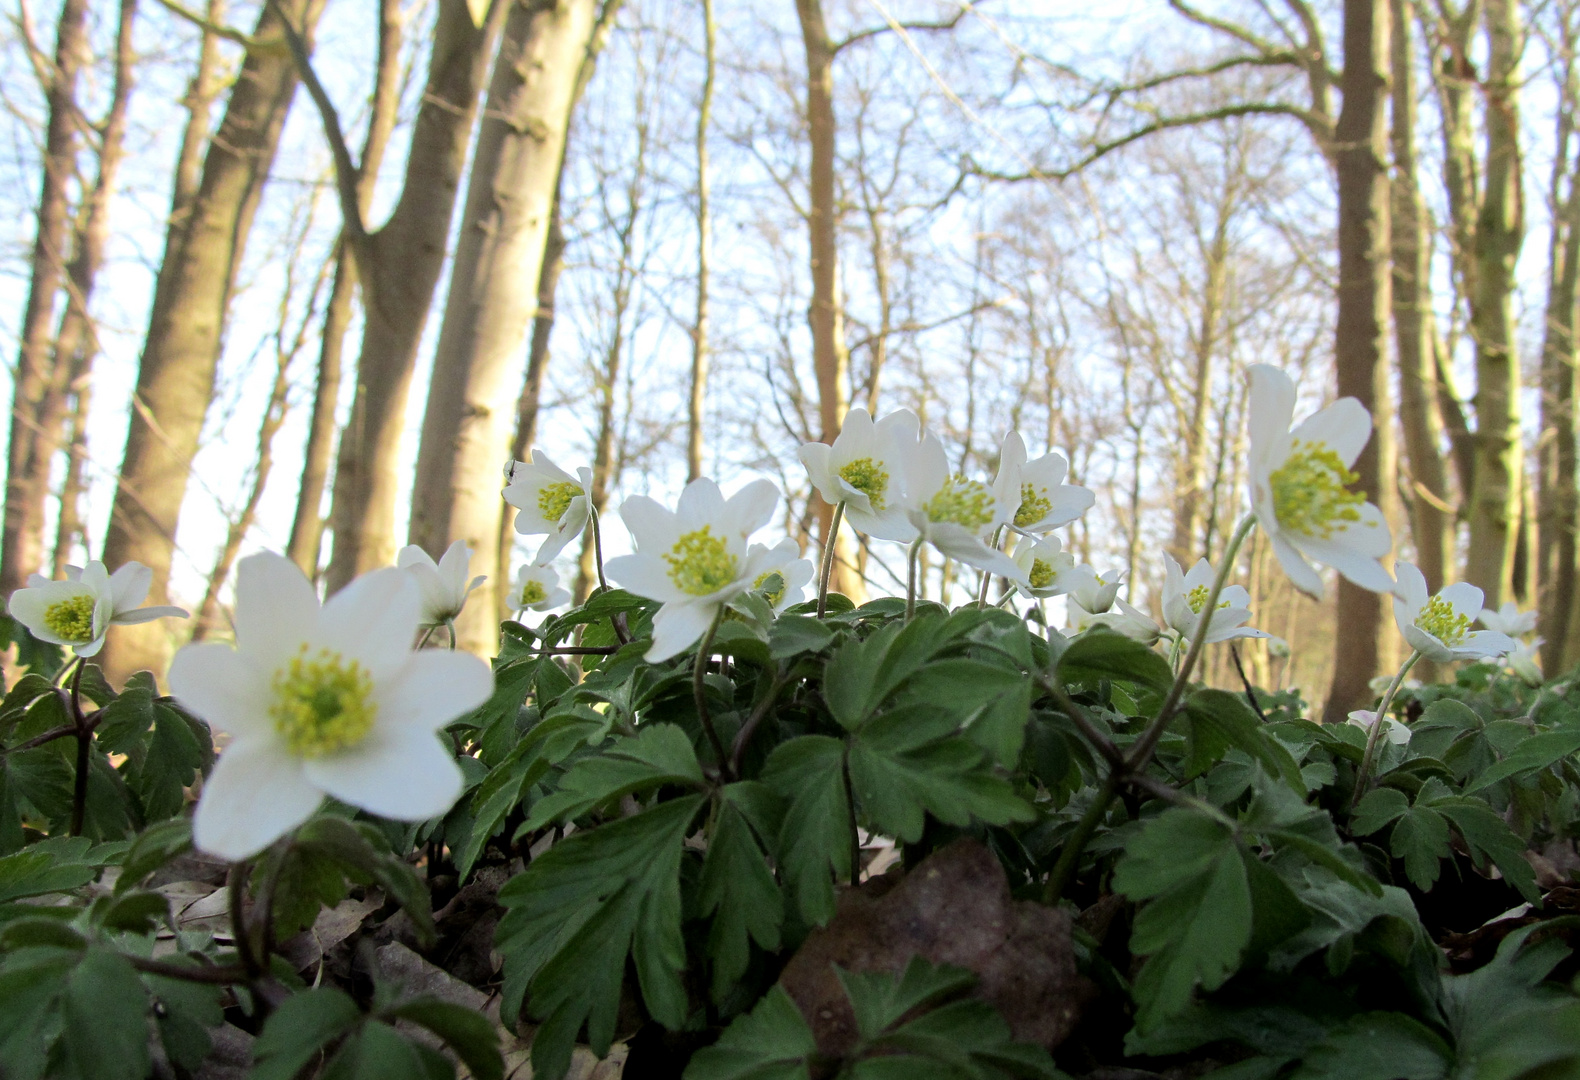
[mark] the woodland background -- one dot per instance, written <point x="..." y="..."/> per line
<point x="243" y="308"/>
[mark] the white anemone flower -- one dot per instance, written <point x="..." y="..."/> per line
<point x="538" y="588"/>
<point x="1525" y="662"/>
<point x="785" y="575"/>
<point x="1095" y="592"/>
<point x="550" y="500"/>
<point x="1049" y="570"/>
<point x="1184" y="596"/>
<point x="80" y="609"/>
<point x="1300" y="487"/>
<point x="1120" y="618"/>
<point x="1393" y="730"/>
<point x="1509" y="619"/>
<point x="445" y="584"/>
<point x="863" y="468"/>
<point x="323" y="699"/>
<point x="694" y="559"/>
<point x="1438" y="627"/>
<point x="1042" y="500"/>
<point x="954" y="513"/>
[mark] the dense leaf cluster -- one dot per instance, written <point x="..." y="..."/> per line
<point x="1241" y="910"/>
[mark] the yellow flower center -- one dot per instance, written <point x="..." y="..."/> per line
<point x="71" y="620"/>
<point x="771" y="583"/>
<point x="700" y="563"/>
<point x="869" y="478"/>
<point x="533" y="592"/>
<point x="1440" y="620"/>
<point x="1041" y="575"/>
<point x="1034" y="506"/>
<point x="962" y="502"/>
<point x="1310" y="494"/>
<point x="554" y="499"/>
<point x="322" y="704"/>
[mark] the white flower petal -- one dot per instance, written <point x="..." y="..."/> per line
<point x="1485" y="643"/>
<point x="149" y="614"/>
<point x="815" y="459"/>
<point x="433" y="687"/>
<point x="1302" y="575"/>
<point x="1463" y="597"/>
<point x="129" y="585"/>
<point x="276" y="608"/>
<point x="224" y="687"/>
<point x="256" y="794"/>
<point x="1342" y="427"/>
<point x="752" y="507"/>
<point x="677" y="627"/>
<point x="1271" y="408"/>
<point x="400" y="773"/>
<point x="700" y="502"/>
<point x="644" y="575"/>
<point x="651" y="525"/>
<point x="373" y="621"/>
<point x="1410" y="587"/>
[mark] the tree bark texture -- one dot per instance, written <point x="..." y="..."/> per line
<point x="699" y="328"/>
<point x="1360" y="160"/>
<point x="1188" y="543"/>
<point x="830" y="362"/>
<point x="493" y="291"/>
<point x="1495" y="498"/>
<point x="27" y="459"/>
<point x="398" y="267"/>
<point x="1431" y="514"/>
<point x="307" y="527"/>
<point x="175" y="380"/>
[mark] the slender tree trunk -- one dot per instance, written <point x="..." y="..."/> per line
<point x="493" y="289"/>
<point x="1495" y="499"/>
<point x="1556" y="502"/>
<point x="70" y="526"/>
<point x="1360" y="158"/>
<point x="28" y="459"/>
<point x="1192" y="462"/>
<point x="199" y="101"/>
<point x="830" y="361"/>
<point x="399" y="271"/>
<point x="699" y="329"/>
<point x="1431" y="522"/>
<point x="307" y="527"/>
<point x="176" y="377"/>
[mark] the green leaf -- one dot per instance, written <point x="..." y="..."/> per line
<point x="809" y="772"/>
<point x="125" y="722"/>
<point x="948" y="779"/>
<point x="364" y="849"/>
<point x="772" y="1042"/>
<point x="1378" y="1046"/>
<point x="105" y="1007"/>
<point x="377" y="1051"/>
<point x="1218" y="720"/>
<point x="134" y="912"/>
<point x="739" y="891"/>
<point x="792" y="635"/>
<point x="500" y="792"/>
<point x="658" y="754"/>
<point x="880" y="1001"/>
<point x="1101" y="654"/>
<point x="301" y="1026"/>
<point x="1380" y="807"/>
<point x="574" y="915"/>
<point x="58" y="864"/>
<point x="1199" y="920"/>
<point x="176" y="756"/>
<point x="186" y="1011"/>
<point x="469" y="1033"/>
<point x="1420" y="838"/>
<point x="861" y="674"/>
<point x="1536" y="752"/>
<point x="1488" y="836"/>
<point x="993" y="702"/>
<point x="153" y="848"/>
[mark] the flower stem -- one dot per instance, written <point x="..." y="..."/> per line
<point x="1363" y="776"/>
<point x="987" y="575"/>
<point x="603" y="582"/>
<point x="699" y="692"/>
<point x="855" y="834"/>
<point x="826" y="570"/>
<point x="84" y="733"/>
<point x="912" y="557"/>
<point x="1070" y="855"/>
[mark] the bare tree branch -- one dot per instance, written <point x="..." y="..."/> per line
<point x="874" y="31"/>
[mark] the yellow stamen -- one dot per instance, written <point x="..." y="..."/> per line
<point x="322" y="705"/>
<point x="533" y="592"/>
<point x="554" y="499"/>
<point x="1440" y="620"/>
<point x="869" y="478"/>
<point x="1309" y="491"/>
<point x="700" y="563"/>
<point x="771" y="583"/>
<point x="1041" y="575"/>
<point x="71" y="620"/>
<point x="1034" y="506"/>
<point x="1197" y="599"/>
<point x="963" y="502"/>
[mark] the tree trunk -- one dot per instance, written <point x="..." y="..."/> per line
<point x="1188" y="542"/>
<point x="399" y="270"/>
<point x="829" y="358"/>
<point x="699" y="329"/>
<point x="1494" y="504"/>
<point x="175" y="380"/>
<point x="307" y="527"/>
<point x="493" y="289"/>
<point x="1431" y="520"/>
<point x="1360" y="159"/>
<point x="27" y="459"/>
<point x="199" y="103"/>
<point x="1556" y="503"/>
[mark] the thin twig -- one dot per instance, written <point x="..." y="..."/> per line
<point x="827" y="569"/>
<point x="743" y="737"/>
<point x="699" y="692"/>
<point x="1250" y="691"/>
